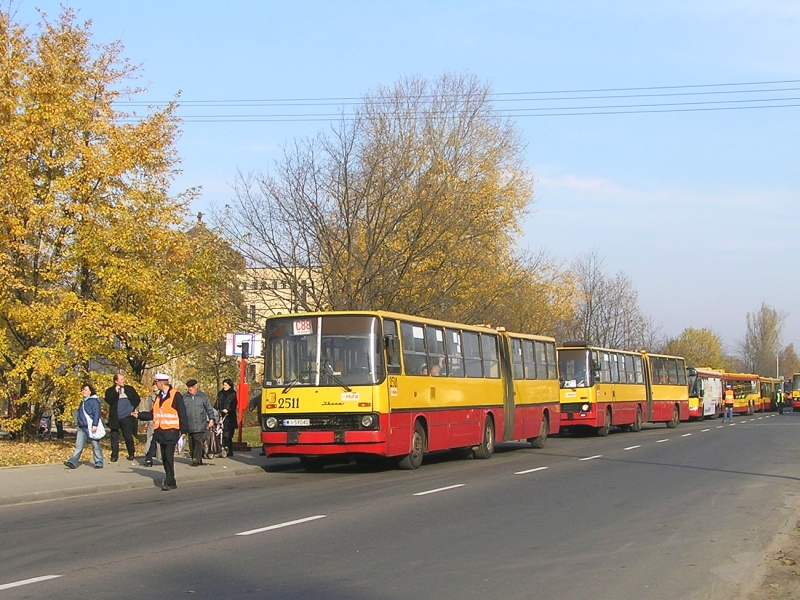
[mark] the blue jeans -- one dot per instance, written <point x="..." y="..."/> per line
<point x="80" y="442"/>
<point x="728" y="414"/>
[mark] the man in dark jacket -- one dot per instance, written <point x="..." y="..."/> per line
<point x="169" y="421"/>
<point x="122" y="402"/>
<point x="200" y="417"/>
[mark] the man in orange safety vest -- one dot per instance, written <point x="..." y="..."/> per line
<point x="169" y="422"/>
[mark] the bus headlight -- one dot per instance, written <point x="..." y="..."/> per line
<point x="584" y="408"/>
<point x="367" y="421"/>
<point x="271" y="422"/>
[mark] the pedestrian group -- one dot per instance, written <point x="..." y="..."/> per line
<point x="171" y="418"/>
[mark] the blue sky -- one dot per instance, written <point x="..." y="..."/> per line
<point x="699" y="209"/>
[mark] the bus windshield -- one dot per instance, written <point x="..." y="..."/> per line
<point x="695" y="384"/>
<point x="796" y="383"/>
<point x="338" y="350"/>
<point x="574" y="368"/>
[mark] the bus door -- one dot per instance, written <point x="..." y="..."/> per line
<point x="393" y="369"/>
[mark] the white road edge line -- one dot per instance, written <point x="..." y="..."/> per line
<point x="8" y="586"/>
<point x="631" y="447"/>
<point x="660" y="441"/>
<point x="280" y="525"/>
<point x="530" y="471"/>
<point x="703" y="430"/>
<point x="591" y="457"/>
<point x="686" y="435"/>
<point x="449" y="487"/>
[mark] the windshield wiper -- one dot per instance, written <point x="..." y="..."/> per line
<point x="329" y="372"/>
<point x="308" y="371"/>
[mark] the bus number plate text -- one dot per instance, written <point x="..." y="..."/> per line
<point x="296" y="422"/>
<point x="288" y="402"/>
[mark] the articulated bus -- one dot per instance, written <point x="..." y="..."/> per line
<point x="746" y="392"/>
<point x="705" y="393"/>
<point x="768" y="387"/>
<point x="795" y="395"/>
<point x="601" y="388"/>
<point x="361" y="384"/>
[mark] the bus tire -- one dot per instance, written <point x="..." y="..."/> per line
<point x="676" y="418"/>
<point x="544" y="431"/>
<point x="486" y="448"/>
<point x="637" y="424"/>
<point x="312" y="464"/>
<point x="603" y="431"/>
<point x="413" y="459"/>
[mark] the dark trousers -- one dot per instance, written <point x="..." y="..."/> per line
<point x="168" y="458"/>
<point x="128" y="426"/>
<point x="227" y="440"/>
<point x="196" y="447"/>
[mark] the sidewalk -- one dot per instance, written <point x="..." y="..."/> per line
<point x="34" y="483"/>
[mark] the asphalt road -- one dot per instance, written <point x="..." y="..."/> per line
<point x="664" y="513"/>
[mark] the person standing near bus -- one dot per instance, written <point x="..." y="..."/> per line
<point x="169" y="420"/>
<point x="779" y="399"/>
<point x="728" y="401"/>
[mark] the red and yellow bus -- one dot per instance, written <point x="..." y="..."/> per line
<point x="769" y="386"/>
<point x="705" y="393"/>
<point x="601" y="388"/>
<point x="373" y="383"/>
<point x="746" y="392"/>
<point x="795" y="393"/>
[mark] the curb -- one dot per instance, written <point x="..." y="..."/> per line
<point x="105" y="488"/>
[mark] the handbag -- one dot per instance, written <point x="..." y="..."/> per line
<point x="98" y="433"/>
<point x="145" y="415"/>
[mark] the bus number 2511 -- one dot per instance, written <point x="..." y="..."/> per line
<point x="288" y="402"/>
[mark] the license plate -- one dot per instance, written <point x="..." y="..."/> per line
<point x="296" y="422"/>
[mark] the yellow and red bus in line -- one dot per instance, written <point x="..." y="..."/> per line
<point x="374" y="383"/>
<point x="795" y="393"/>
<point x="746" y="392"/>
<point x="769" y="386"/>
<point x="601" y="388"/>
<point x="705" y="393"/>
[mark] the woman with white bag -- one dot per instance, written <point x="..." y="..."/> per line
<point x="90" y="427"/>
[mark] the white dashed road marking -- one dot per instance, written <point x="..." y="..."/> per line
<point x="703" y="430"/>
<point x="443" y="489"/>
<point x="591" y="457"/>
<point x="686" y="435"/>
<point x="720" y="426"/>
<point x="280" y="525"/>
<point x="8" y="586"/>
<point x="530" y="471"/>
<point x="660" y="441"/>
<point x="631" y="447"/>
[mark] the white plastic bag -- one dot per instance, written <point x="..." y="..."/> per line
<point x="181" y="443"/>
<point x="97" y="434"/>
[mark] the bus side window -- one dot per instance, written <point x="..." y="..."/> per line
<point x="614" y="368"/>
<point x="530" y="363"/>
<point x="455" y="357"/>
<point x="552" y="371"/>
<point x="605" y="362"/>
<point x="436" y="355"/>
<point x="637" y="367"/>
<point x="541" y="360"/>
<point x="472" y="354"/>
<point x="681" y="372"/>
<point x="392" y="343"/>
<point x="491" y="362"/>
<point x="414" y="355"/>
<point x="517" y="359"/>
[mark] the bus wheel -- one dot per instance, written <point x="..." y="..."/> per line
<point x="312" y="464"/>
<point x="676" y="418"/>
<point x="637" y="424"/>
<point x="603" y="431"/>
<point x="486" y="447"/>
<point x="414" y="458"/>
<point x="544" y="431"/>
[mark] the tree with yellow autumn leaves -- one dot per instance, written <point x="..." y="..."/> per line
<point x="97" y="259"/>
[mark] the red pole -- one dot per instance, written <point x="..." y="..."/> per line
<point x="242" y="396"/>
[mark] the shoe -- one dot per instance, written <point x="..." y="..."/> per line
<point x="148" y="463"/>
<point x="173" y="487"/>
<point x="69" y="465"/>
<point x="164" y="487"/>
<point x="98" y="466"/>
<point x="129" y="457"/>
<point x="113" y="459"/>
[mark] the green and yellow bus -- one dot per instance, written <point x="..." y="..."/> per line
<point x="373" y="383"/>
<point x="601" y="388"/>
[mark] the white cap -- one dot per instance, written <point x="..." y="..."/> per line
<point x="162" y="377"/>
